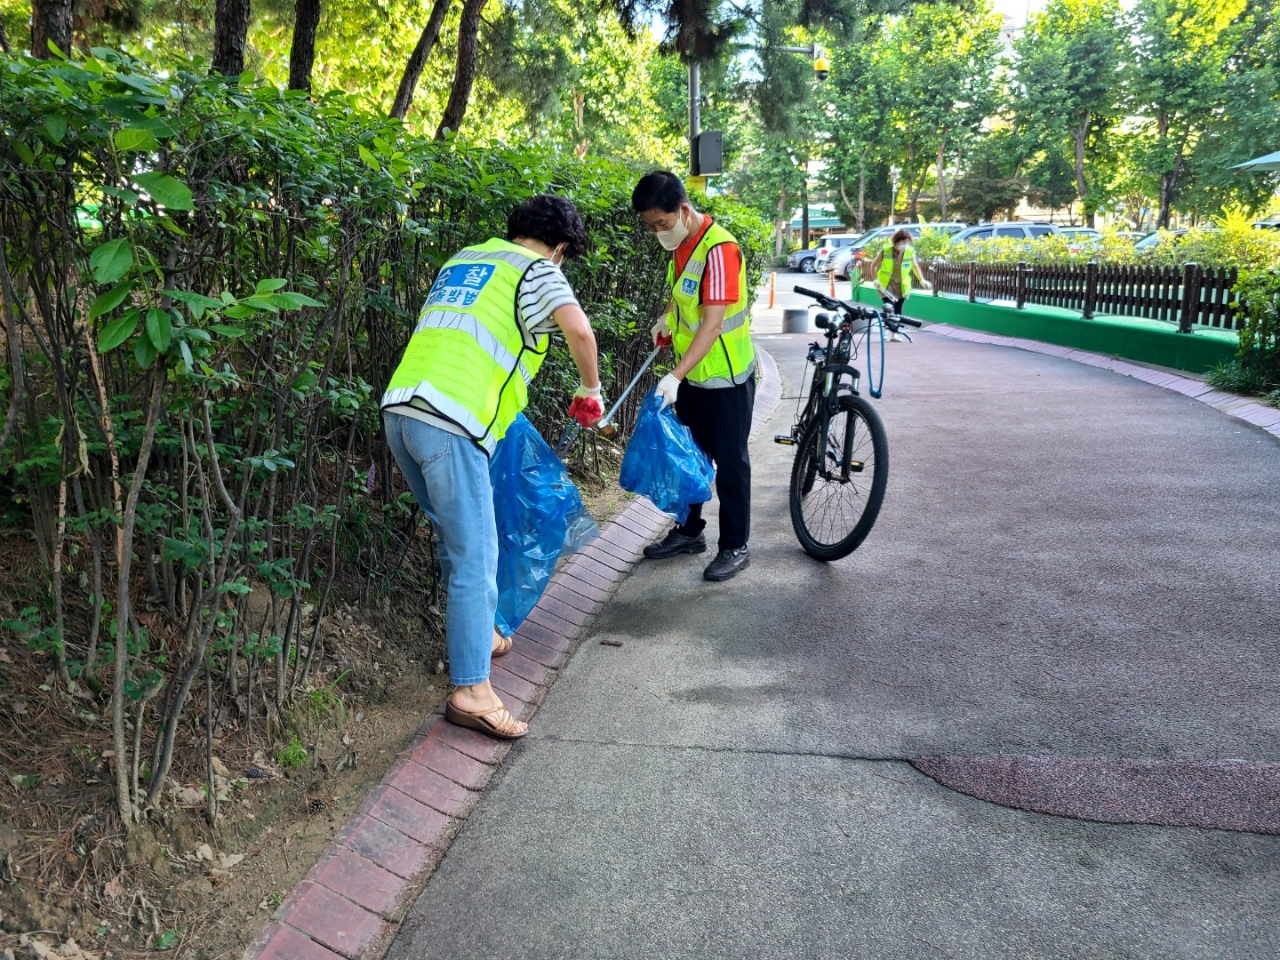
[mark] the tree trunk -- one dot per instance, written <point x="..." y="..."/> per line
<point x="50" y="22"/>
<point x="230" y="31"/>
<point x="862" y="197"/>
<point x="418" y="59"/>
<point x="780" y="223"/>
<point x="465" y="74"/>
<point x="4" y="40"/>
<point x="1082" y="186"/>
<point x="942" y="180"/>
<point x="302" y="55"/>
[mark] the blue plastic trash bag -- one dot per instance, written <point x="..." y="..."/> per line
<point x="664" y="463"/>
<point x="540" y="518"/>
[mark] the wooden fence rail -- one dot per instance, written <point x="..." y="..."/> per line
<point x="1190" y="296"/>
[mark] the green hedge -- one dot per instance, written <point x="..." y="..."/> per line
<point x="208" y="286"/>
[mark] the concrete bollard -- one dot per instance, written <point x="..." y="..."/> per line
<point x="795" y="320"/>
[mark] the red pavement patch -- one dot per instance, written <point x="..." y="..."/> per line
<point x="1213" y="794"/>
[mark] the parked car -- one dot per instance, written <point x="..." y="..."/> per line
<point x="1133" y="236"/>
<point x="1153" y="240"/>
<point x="854" y="250"/>
<point x="803" y="259"/>
<point x="1081" y="238"/>
<point x="1018" y="231"/>
<point x="830" y="244"/>
<point x="845" y="263"/>
<point x="1268" y="224"/>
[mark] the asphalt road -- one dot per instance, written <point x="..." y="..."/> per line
<point x="1070" y="565"/>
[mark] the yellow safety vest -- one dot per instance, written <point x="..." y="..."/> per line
<point x="731" y="360"/>
<point x="470" y="356"/>
<point x="886" y="267"/>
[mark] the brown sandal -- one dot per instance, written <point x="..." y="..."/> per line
<point x="497" y="723"/>
<point x="503" y="647"/>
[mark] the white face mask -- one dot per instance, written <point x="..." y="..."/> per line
<point x="670" y="239"/>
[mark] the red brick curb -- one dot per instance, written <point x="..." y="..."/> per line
<point x="1268" y="418"/>
<point x="352" y="901"/>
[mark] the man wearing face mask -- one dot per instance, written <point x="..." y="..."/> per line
<point x="894" y="268"/>
<point x="713" y="384"/>
<point x="479" y="341"/>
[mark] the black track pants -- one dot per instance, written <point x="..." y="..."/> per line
<point x="720" y="421"/>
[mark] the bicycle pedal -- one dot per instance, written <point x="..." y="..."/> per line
<point x="785" y="440"/>
<point x="855" y="466"/>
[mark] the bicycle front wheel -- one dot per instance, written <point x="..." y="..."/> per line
<point x="838" y="480"/>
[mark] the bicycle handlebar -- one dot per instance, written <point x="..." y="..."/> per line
<point x="832" y="304"/>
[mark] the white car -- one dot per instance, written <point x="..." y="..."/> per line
<point x="830" y="244"/>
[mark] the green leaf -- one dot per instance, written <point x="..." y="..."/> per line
<point x="226" y="330"/>
<point x="186" y="354"/>
<point x="166" y="190"/>
<point x="55" y="124"/>
<point x="144" y="352"/>
<point x="111" y="261"/>
<point x="369" y="159"/>
<point x="131" y="139"/>
<point x="118" y="331"/>
<point x="166" y="939"/>
<point x="294" y="301"/>
<point x="26" y="156"/>
<point x="110" y="300"/>
<point x="159" y="329"/>
<point x="267" y="286"/>
<point x="198" y="302"/>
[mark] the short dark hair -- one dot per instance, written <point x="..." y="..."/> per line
<point x="900" y="235"/>
<point x="551" y="220"/>
<point x="659" y="190"/>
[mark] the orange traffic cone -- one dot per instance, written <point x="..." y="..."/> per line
<point x="832" y="276"/>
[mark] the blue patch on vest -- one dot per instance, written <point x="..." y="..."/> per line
<point x="459" y="285"/>
<point x="688" y="286"/>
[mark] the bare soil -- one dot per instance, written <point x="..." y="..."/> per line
<point x="75" y="886"/>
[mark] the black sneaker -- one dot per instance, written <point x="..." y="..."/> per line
<point x="728" y="564"/>
<point x="675" y="543"/>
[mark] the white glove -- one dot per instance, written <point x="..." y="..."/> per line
<point x="668" y="389"/>
<point x="660" y="332"/>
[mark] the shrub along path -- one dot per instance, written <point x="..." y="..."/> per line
<point x="1070" y="594"/>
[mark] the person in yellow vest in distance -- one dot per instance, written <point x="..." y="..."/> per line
<point x="713" y="384"/>
<point x="895" y="267"/>
<point x="480" y="339"/>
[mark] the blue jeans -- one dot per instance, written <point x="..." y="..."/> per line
<point x="449" y="477"/>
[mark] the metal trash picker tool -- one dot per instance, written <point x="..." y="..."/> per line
<point x="570" y="435"/>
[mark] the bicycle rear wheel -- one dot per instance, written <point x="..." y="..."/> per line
<point x="838" y="480"/>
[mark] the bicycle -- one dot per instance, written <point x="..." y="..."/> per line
<point x="841" y="468"/>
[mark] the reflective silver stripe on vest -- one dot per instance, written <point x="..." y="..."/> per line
<point x="447" y="406"/>
<point x="723" y="383"/>
<point x="517" y="260"/>
<point x="730" y="323"/>
<point x="735" y="321"/>
<point x="695" y="268"/>
<point x="452" y="320"/>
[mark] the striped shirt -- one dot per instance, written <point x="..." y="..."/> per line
<point x="542" y="291"/>
<point x="720" y="281"/>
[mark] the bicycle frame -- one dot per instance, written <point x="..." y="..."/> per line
<point x="833" y="363"/>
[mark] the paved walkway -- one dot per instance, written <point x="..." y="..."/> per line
<point x="1068" y="604"/>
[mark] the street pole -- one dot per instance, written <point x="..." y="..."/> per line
<point x="695" y="117"/>
<point x="804" y="207"/>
